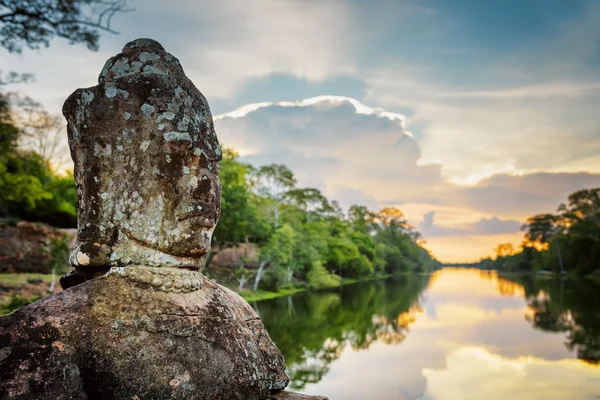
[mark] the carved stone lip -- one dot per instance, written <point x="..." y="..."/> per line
<point x="187" y="255"/>
<point x="200" y="218"/>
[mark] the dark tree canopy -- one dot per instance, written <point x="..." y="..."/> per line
<point x="33" y="23"/>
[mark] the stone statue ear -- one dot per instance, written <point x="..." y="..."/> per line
<point x="90" y="260"/>
<point x="91" y="256"/>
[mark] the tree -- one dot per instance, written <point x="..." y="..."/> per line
<point x="310" y="201"/>
<point x="361" y="219"/>
<point x="540" y="229"/>
<point x="580" y="220"/>
<point x="40" y="131"/>
<point x="240" y="220"/>
<point x="310" y="243"/>
<point x="393" y="218"/>
<point x="274" y="181"/>
<point x="33" y="23"/>
<point x="9" y="133"/>
<point x="28" y="187"/>
<point x="505" y="249"/>
<point x="343" y="254"/>
<point x="277" y="252"/>
<point x="582" y="204"/>
<point x="241" y="274"/>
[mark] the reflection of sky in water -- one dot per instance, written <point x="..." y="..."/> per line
<point x="469" y="340"/>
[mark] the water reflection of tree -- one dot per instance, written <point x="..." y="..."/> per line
<point x="570" y="306"/>
<point x="505" y="287"/>
<point x="324" y="323"/>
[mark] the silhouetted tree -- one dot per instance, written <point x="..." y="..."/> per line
<point x="33" y="23"/>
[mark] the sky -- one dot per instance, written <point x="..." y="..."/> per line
<point x="469" y="116"/>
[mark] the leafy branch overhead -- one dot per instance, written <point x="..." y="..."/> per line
<point x="33" y="23"/>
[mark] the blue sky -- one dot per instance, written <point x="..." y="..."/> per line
<point x="468" y="115"/>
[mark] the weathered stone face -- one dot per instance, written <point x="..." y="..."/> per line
<point x="146" y="164"/>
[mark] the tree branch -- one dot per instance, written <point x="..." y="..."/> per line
<point x="33" y="23"/>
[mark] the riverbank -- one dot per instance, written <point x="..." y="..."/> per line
<point x="259" y="295"/>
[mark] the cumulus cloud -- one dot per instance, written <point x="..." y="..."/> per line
<point x="335" y="143"/>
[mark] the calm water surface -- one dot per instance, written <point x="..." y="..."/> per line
<point x="457" y="334"/>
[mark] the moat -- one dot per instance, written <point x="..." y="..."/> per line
<point x="455" y="334"/>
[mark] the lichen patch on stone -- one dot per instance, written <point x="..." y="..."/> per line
<point x="87" y="96"/>
<point x="110" y="91"/>
<point x="174" y="136"/>
<point x="146" y="56"/>
<point x="147" y="109"/>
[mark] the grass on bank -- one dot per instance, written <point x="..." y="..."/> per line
<point x="252" y="296"/>
<point x="17" y="280"/>
<point x="19" y="290"/>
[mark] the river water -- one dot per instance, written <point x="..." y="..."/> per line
<point x="455" y="334"/>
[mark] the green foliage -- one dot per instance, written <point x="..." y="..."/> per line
<point x="240" y="218"/>
<point x="314" y="249"/>
<point x="274" y="279"/>
<point x="318" y="277"/>
<point x="303" y="237"/>
<point x="344" y="256"/>
<point x="29" y="190"/>
<point x="301" y="229"/>
<point x="279" y="250"/>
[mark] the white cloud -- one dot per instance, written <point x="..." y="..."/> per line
<point x="335" y="143"/>
<point x="359" y="108"/>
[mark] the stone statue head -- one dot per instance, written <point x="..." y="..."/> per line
<point x="146" y="164"/>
